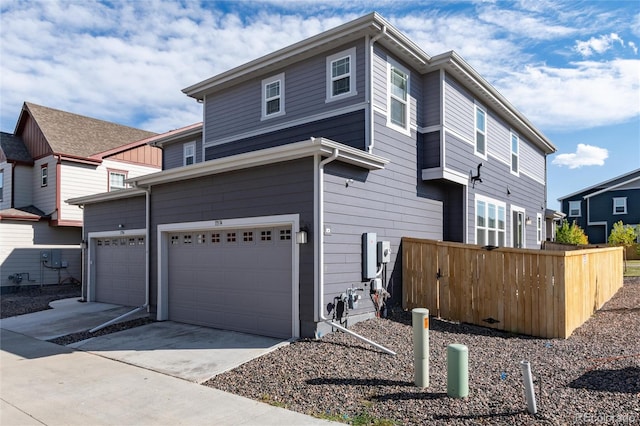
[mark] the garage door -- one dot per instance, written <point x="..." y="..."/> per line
<point x="236" y="279"/>
<point x="120" y="272"/>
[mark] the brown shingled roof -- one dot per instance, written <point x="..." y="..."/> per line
<point x="81" y="136"/>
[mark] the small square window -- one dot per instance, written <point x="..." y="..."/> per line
<point x="273" y="96"/>
<point x="285" y="234"/>
<point x="231" y="237"/>
<point x="265" y="235"/>
<point x="186" y="239"/>
<point x="116" y="180"/>
<point x="189" y="153"/>
<point x="620" y="205"/>
<point x="341" y="75"/>
<point x="574" y="209"/>
<point x="215" y="238"/>
<point x="175" y="240"/>
<point x="247" y="236"/>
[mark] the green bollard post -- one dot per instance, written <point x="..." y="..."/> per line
<point x="420" y="322"/>
<point x="457" y="371"/>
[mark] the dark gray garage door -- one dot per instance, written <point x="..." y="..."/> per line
<point x="120" y="271"/>
<point x="237" y="279"/>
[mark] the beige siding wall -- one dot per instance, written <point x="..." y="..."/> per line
<point x="21" y="244"/>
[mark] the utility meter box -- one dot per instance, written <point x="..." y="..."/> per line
<point x="384" y="252"/>
<point x="369" y="264"/>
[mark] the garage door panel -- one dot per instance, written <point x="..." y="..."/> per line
<point x="120" y="270"/>
<point x="238" y="279"/>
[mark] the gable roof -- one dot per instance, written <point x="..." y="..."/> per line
<point x="375" y="27"/>
<point x="610" y="184"/>
<point x="13" y="149"/>
<point x="77" y="135"/>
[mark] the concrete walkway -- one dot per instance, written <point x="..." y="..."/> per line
<point x="44" y="383"/>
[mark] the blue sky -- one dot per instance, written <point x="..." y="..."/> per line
<point x="572" y="67"/>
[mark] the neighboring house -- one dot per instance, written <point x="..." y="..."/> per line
<point x="307" y="158"/>
<point x="596" y="208"/>
<point x="52" y="156"/>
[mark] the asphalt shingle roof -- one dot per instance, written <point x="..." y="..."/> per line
<point x="13" y="148"/>
<point x="81" y="136"/>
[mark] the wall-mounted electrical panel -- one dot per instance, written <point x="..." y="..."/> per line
<point x="51" y="258"/>
<point x="369" y="255"/>
<point x="384" y="251"/>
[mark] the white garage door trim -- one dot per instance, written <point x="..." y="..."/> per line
<point x="91" y="254"/>
<point x="292" y="220"/>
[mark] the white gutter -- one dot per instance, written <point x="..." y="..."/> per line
<point x="371" y="124"/>
<point x="319" y="267"/>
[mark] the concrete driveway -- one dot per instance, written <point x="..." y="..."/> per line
<point x="185" y="351"/>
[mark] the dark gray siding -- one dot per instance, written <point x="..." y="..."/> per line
<point x="172" y="154"/>
<point x="347" y="129"/>
<point x="284" y="188"/>
<point x="106" y="216"/>
<point x="601" y="210"/>
<point x="238" y="110"/>
<point x="429" y="149"/>
<point x="432" y="99"/>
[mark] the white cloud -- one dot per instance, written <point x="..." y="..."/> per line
<point x="525" y="24"/>
<point x="633" y="47"/>
<point x="597" y="44"/>
<point x="585" y="155"/>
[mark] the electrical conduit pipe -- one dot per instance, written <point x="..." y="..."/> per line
<point x="320" y="248"/>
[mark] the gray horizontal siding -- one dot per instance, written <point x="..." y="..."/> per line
<point x="173" y="154"/>
<point x="106" y="216"/>
<point x="347" y="129"/>
<point x="238" y="109"/>
<point x="284" y="188"/>
<point x="432" y="99"/>
<point x="429" y="149"/>
<point x="459" y="108"/>
<point x="379" y="78"/>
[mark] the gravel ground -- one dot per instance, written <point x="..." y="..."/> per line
<point x="592" y="377"/>
<point x="34" y="299"/>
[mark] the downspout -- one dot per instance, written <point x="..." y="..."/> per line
<point x="146" y="269"/>
<point x="320" y="250"/>
<point x="370" y="127"/>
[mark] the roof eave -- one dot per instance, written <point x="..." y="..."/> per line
<point x="106" y="196"/>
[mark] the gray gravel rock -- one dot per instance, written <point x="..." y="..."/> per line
<point x="33" y="299"/>
<point x="592" y="377"/>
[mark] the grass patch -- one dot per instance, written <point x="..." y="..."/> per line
<point x="632" y="269"/>
<point x="268" y="399"/>
<point x="362" y="419"/>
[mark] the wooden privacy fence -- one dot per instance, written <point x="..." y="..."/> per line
<point x="535" y="292"/>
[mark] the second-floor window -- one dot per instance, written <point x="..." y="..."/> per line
<point x="620" y="205"/>
<point x="189" y="153"/>
<point x="44" y="175"/>
<point x="398" y="96"/>
<point x="481" y="131"/>
<point x="273" y="96"/>
<point x="341" y="77"/>
<point x="116" y="180"/>
<point x="515" y="153"/>
<point x="574" y="209"/>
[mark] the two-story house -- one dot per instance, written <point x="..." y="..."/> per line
<point x="54" y="155"/>
<point x="596" y="208"/>
<point x="288" y="208"/>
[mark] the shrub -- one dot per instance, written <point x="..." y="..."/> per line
<point x="570" y="234"/>
<point x="622" y="235"/>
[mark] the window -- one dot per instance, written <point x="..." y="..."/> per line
<point x="273" y="96"/>
<point x="538" y="228"/>
<point x="116" y="180"/>
<point x="44" y="175"/>
<point x="515" y="156"/>
<point x="620" y="205"/>
<point x="490" y="222"/>
<point x="1" y="183"/>
<point x="189" y="153"/>
<point x="398" y="114"/>
<point x="574" y="209"/>
<point x="481" y="131"/>
<point x="341" y="76"/>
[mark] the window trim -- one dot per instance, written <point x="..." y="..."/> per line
<point x="186" y="146"/>
<point x="267" y="81"/>
<point x="124" y="173"/>
<point x="500" y="206"/>
<point x="516" y="153"/>
<point x="351" y="54"/>
<point x="579" y="208"/>
<point x="484" y="132"/>
<point x="391" y="64"/>
<point x="44" y="175"/>
<point x="624" y="205"/>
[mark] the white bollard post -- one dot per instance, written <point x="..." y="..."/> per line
<point x="529" y="393"/>
<point x="420" y="322"/>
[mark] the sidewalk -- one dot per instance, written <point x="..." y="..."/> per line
<point x="43" y="383"/>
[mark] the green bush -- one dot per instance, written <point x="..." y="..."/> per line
<point x="570" y="234"/>
<point x="622" y="235"/>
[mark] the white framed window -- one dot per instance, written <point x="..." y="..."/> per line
<point x="575" y="209"/>
<point x="619" y="205"/>
<point x="539" y="223"/>
<point x="481" y="131"/>
<point x="188" y="153"/>
<point x="116" y="180"/>
<point x="491" y="222"/>
<point x="273" y="96"/>
<point x="515" y="154"/>
<point x="341" y="75"/>
<point x="398" y="97"/>
<point x="44" y="175"/>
